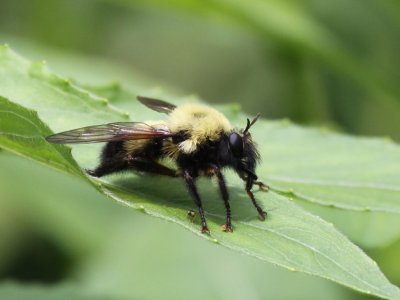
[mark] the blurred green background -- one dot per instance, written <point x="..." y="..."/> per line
<point x="322" y="63"/>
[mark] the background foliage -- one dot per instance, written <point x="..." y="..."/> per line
<point x="326" y="63"/>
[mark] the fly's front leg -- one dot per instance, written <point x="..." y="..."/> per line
<point x="196" y="197"/>
<point x="262" y="186"/>
<point x="227" y="227"/>
<point x="261" y="212"/>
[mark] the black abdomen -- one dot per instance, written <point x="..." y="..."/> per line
<point x="112" y="150"/>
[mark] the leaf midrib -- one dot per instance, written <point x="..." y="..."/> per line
<point x="313" y="250"/>
<point x="277" y="233"/>
<point x="339" y="183"/>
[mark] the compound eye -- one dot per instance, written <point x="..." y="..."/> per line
<point x="236" y="144"/>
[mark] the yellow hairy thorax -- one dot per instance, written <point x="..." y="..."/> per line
<point x="202" y="122"/>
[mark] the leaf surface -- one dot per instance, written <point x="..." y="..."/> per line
<point x="290" y="237"/>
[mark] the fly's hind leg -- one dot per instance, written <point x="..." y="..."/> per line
<point x="112" y="160"/>
<point x="108" y="167"/>
<point x="141" y="164"/>
<point x="148" y="165"/>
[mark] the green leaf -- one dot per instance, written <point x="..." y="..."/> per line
<point x="23" y="132"/>
<point x="84" y="222"/>
<point x="313" y="165"/>
<point x="333" y="169"/>
<point x="290" y="237"/>
<point x="11" y="291"/>
<point x="368" y="227"/>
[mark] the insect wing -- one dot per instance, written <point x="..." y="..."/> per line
<point x="157" y="105"/>
<point x="122" y="131"/>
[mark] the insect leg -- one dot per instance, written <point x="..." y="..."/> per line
<point x="225" y="196"/>
<point x="109" y="167"/>
<point x="150" y="166"/>
<point x="112" y="160"/>
<point x="195" y="195"/>
<point x="261" y="213"/>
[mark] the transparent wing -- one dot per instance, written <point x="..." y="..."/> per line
<point x="122" y="131"/>
<point x="157" y="105"/>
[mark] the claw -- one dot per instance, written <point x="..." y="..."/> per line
<point x="227" y="228"/>
<point x="91" y="172"/>
<point x="204" y="229"/>
<point x="262" y="186"/>
<point x="262" y="215"/>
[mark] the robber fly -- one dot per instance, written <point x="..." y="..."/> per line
<point x="197" y="137"/>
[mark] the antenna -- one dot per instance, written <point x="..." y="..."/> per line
<point x="249" y="124"/>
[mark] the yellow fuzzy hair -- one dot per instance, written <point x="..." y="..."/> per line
<point x="200" y="121"/>
<point x="137" y="145"/>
